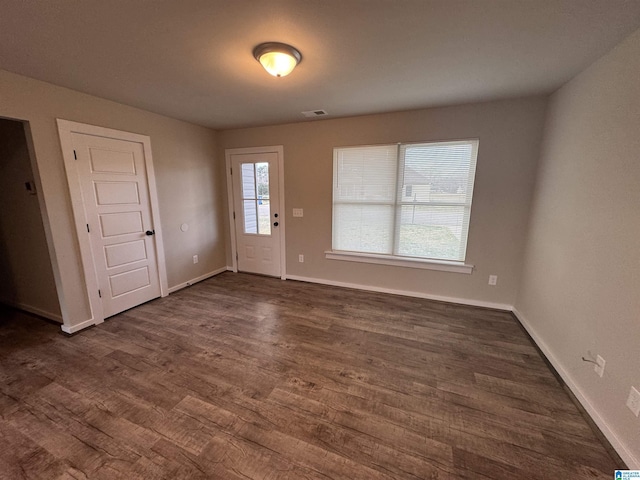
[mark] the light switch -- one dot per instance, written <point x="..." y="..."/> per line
<point x="297" y="212"/>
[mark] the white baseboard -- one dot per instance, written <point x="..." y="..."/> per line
<point x="626" y="455"/>
<point x="406" y="293"/>
<point x="198" y="279"/>
<point x="78" y="326"/>
<point x="35" y="310"/>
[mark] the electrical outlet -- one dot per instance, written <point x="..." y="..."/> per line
<point x="599" y="366"/>
<point x="298" y="212"/>
<point x="633" y="402"/>
<point x="493" y="280"/>
<point x="301" y="258"/>
<point x="195" y="259"/>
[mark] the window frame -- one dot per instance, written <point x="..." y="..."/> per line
<point x="396" y="259"/>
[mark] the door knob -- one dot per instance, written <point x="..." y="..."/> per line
<point x="150" y="232"/>
<point x="275" y="224"/>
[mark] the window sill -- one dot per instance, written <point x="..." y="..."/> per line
<point x="441" y="265"/>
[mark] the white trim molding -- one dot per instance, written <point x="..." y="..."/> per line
<point x="406" y="293"/>
<point x="78" y="326"/>
<point x="180" y="286"/>
<point x="631" y="461"/>
<point x="393" y="260"/>
<point x="279" y="150"/>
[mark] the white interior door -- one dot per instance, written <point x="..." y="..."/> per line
<point x="115" y="193"/>
<point x="256" y="202"/>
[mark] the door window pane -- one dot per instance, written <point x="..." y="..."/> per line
<point x="248" y="181"/>
<point x="264" y="217"/>
<point x="255" y="198"/>
<point x="262" y="180"/>
<point x="250" y="216"/>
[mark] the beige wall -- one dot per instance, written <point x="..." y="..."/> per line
<point x="184" y="155"/>
<point x="509" y="133"/>
<point x="581" y="287"/>
<point x="26" y="276"/>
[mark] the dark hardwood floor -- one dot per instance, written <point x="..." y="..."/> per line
<point x="244" y="377"/>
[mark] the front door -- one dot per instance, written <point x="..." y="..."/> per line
<point x="115" y="191"/>
<point x="257" y="212"/>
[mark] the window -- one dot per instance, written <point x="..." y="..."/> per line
<point x="408" y="190"/>
<point x="255" y="198"/>
<point x="409" y="200"/>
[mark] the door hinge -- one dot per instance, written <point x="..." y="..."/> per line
<point x="88" y="228"/>
<point x="99" y="293"/>
<point x="75" y="157"/>
<point x="231" y="170"/>
<point x="236" y="256"/>
<point x="234" y="215"/>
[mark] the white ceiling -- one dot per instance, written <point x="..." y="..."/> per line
<point x="191" y="59"/>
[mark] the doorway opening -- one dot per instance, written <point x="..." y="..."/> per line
<point x="27" y="279"/>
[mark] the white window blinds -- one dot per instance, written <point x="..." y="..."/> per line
<point x="411" y="200"/>
<point x="364" y="191"/>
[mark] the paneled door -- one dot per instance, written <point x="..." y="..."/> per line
<point x="115" y="192"/>
<point x="256" y="212"/>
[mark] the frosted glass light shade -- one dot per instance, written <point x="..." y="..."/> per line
<point x="278" y="64"/>
<point x="279" y="59"/>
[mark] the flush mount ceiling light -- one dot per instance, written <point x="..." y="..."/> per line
<point x="279" y="59"/>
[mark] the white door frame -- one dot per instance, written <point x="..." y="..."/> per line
<point x="65" y="129"/>
<point x="279" y="150"/>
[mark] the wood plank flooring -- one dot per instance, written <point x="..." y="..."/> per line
<point x="244" y="377"/>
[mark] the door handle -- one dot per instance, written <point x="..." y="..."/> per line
<point x="150" y="232"/>
<point x="275" y="224"/>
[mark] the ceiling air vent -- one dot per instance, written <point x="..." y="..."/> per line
<point x="315" y="113"/>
